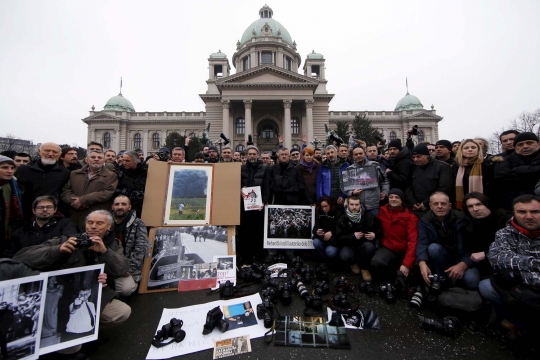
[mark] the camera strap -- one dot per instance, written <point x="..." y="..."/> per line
<point x="269" y="335"/>
<point x="158" y="344"/>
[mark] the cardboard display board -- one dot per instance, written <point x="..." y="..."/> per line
<point x="179" y="249"/>
<point x="224" y="204"/>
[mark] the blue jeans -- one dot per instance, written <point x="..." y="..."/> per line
<point x="326" y="252"/>
<point x="361" y="256"/>
<point x="442" y="260"/>
<point x="489" y="293"/>
<point x="374" y="212"/>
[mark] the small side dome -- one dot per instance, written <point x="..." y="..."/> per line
<point x="218" y="55"/>
<point x="314" y="55"/>
<point x="119" y="103"/>
<point x="409" y="102"/>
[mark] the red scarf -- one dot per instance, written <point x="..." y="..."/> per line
<point x="534" y="234"/>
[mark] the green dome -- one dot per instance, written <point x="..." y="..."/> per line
<point x="257" y="27"/>
<point x="409" y="102"/>
<point x="314" y="55"/>
<point x="119" y="103"/>
<point x="218" y="55"/>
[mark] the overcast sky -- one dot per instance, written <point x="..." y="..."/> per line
<point x="477" y="62"/>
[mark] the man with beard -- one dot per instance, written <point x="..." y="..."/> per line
<point x="131" y="231"/>
<point x="22" y="159"/>
<point x="213" y="155"/>
<point x="251" y="230"/>
<point x="89" y="188"/>
<point x="329" y="175"/>
<point x="110" y="157"/>
<point x="226" y="154"/>
<point x="443" y="150"/>
<point x="46" y="224"/>
<point x="400" y="166"/>
<point x="43" y="177"/>
<point x="132" y="180"/>
<point x="69" y="159"/>
<point x="317" y="155"/>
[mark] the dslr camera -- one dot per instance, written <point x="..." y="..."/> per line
<point x="83" y="241"/>
<point x="449" y="326"/>
<point x="380" y="139"/>
<point x="171" y="330"/>
<point x="414" y="130"/>
<point x="225" y="140"/>
<point x="321" y="288"/>
<point x="162" y="155"/>
<point x="214" y="318"/>
<point x="436" y="283"/>
<point x="265" y="312"/>
<point x="226" y="289"/>
<point x="335" y="138"/>
<point x="389" y="292"/>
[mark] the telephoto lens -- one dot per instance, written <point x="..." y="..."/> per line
<point x="417" y="298"/>
<point x="302" y="290"/>
<point x="449" y="326"/>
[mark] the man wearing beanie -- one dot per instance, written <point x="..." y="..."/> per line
<point x="443" y="150"/>
<point x="429" y="175"/>
<point x="400" y="165"/>
<point x="10" y="201"/>
<point x="213" y="155"/>
<point x="520" y="171"/>
<point x="398" y="244"/>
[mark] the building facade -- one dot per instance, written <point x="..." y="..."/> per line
<point x="266" y="97"/>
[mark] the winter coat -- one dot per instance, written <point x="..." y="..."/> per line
<point x="425" y="180"/>
<point x="370" y="198"/>
<point x="94" y="194"/>
<point x="513" y="250"/>
<point x="132" y="184"/>
<point x="32" y="234"/>
<point x="287" y="185"/>
<point x="136" y="245"/>
<point x="427" y="234"/>
<point x="329" y="177"/>
<point x="310" y="178"/>
<point x="401" y="170"/>
<point x="345" y="230"/>
<point x="326" y="222"/>
<point x="38" y="180"/>
<point x="517" y="175"/>
<point x="256" y="175"/>
<point x="400" y="232"/>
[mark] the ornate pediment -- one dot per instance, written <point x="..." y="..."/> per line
<point x="267" y="76"/>
<point x="424" y="115"/>
<point x="101" y="116"/>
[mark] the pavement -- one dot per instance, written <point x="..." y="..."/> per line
<point x="400" y="338"/>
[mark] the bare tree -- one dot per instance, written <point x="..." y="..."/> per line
<point x="525" y="122"/>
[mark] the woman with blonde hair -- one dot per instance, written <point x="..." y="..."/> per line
<point x="468" y="172"/>
<point x="309" y="166"/>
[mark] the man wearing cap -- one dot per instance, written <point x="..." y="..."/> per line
<point x="132" y="181"/>
<point x="213" y="155"/>
<point x="428" y="176"/>
<point x="10" y="201"/>
<point x="399" y="166"/>
<point x="199" y="158"/>
<point x="520" y="171"/>
<point x="295" y="156"/>
<point x="398" y="244"/>
<point x="443" y="152"/>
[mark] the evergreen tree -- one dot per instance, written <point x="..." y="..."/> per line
<point x="342" y="130"/>
<point x="174" y="139"/>
<point x="361" y="129"/>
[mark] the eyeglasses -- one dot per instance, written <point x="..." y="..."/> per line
<point x="47" y="207"/>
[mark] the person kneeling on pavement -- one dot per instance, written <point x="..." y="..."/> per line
<point x="514" y="288"/>
<point x="358" y="232"/>
<point x="324" y="231"/>
<point x="442" y="234"/>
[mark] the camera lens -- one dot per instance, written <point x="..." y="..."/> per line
<point x="223" y="326"/>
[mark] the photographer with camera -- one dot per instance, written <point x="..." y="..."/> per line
<point x="443" y="234"/>
<point x="399" y="165"/>
<point x="132" y="181"/>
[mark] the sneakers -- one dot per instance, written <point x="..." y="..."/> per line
<point x="366" y="276"/>
<point x="355" y="269"/>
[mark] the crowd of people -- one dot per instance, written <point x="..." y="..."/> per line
<point x="446" y="209"/>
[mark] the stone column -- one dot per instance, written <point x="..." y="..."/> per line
<point x="145" y="142"/>
<point x="247" y="117"/>
<point x="93" y="134"/>
<point x="117" y="141"/>
<point x="226" y="105"/>
<point x="309" y="118"/>
<point x="287" y="124"/>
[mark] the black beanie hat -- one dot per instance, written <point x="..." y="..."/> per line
<point x="396" y="143"/>
<point x="525" y="136"/>
<point x="420" y="149"/>
<point x="447" y="144"/>
<point x="398" y="192"/>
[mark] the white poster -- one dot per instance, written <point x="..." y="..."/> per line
<point x="288" y="226"/>
<point x="21" y="313"/>
<point x="239" y="313"/>
<point x="252" y="198"/>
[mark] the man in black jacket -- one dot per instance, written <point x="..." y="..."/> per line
<point x="46" y="224"/>
<point x="250" y="237"/>
<point x="132" y="180"/>
<point x="43" y="177"/>
<point x="429" y="175"/>
<point x="400" y="166"/>
<point x="286" y="183"/>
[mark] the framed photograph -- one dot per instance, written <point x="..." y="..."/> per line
<point x="310" y="332"/>
<point x="183" y="258"/>
<point x="21" y="314"/>
<point x="189" y="191"/>
<point x="288" y="227"/>
<point x="72" y="308"/>
<point x="359" y="178"/>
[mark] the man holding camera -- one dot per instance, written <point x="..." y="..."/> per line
<point x="132" y="181"/>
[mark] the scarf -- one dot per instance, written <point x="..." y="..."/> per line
<point x="355" y="218"/>
<point x="475" y="182"/>
<point x="534" y="234"/>
<point x="13" y="205"/>
<point x="308" y="166"/>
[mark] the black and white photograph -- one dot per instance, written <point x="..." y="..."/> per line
<point x="188" y="195"/>
<point x="72" y="306"/>
<point x="288" y="227"/>
<point x="226" y="269"/>
<point x="185" y="253"/>
<point x="310" y="332"/>
<point x="21" y="311"/>
<point x="359" y="178"/>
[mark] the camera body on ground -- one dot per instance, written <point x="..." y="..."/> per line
<point x="214" y="318"/>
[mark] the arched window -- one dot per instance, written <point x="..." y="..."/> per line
<point x="107" y="140"/>
<point x="240" y="126"/>
<point x="240" y="147"/>
<point x="393" y="135"/>
<point x="295" y="126"/>
<point x="420" y="136"/>
<point x="137" y="141"/>
<point x="267" y="132"/>
<point x="155" y="141"/>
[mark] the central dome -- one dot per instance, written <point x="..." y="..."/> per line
<point x="409" y="102"/>
<point x="266" y="25"/>
<point x="119" y="103"/>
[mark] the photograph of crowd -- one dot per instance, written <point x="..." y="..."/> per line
<point x="185" y="253"/>
<point x="310" y="332"/>
<point x="21" y="305"/>
<point x="289" y="222"/>
<point x="71" y="311"/>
